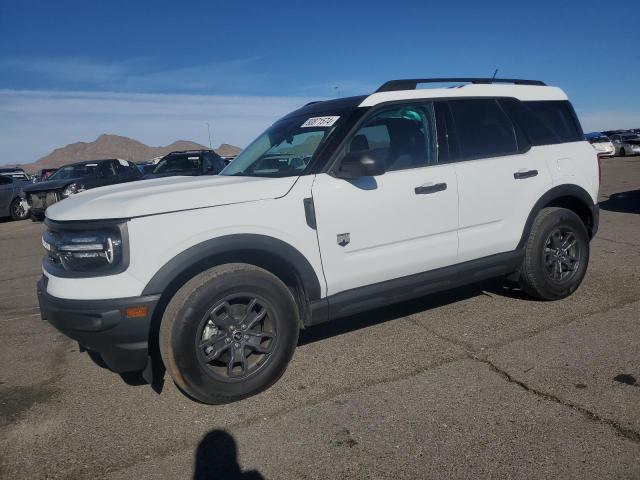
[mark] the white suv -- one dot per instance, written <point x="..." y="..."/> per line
<point x="339" y="207"/>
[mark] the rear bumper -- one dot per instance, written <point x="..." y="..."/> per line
<point x="103" y="326"/>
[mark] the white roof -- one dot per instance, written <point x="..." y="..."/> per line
<point x="521" y="92"/>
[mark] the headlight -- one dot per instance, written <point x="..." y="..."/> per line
<point x="72" y="189"/>
<point x="99" y="251"/>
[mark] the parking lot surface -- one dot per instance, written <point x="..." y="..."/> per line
<point x="479" y="382"/>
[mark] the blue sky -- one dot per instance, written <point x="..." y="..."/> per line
<point x="159" y="71"/>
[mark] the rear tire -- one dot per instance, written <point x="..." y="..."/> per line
<point x="229" y="333"/>
<point x="556" y="255"/>
<point x="18" y="212"/>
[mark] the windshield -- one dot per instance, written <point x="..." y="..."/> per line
<point x="178" y="164"/>
<point x="79" y="170"/>
<point x="285" y="149"/>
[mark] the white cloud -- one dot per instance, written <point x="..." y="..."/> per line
<point x="140" y="74"/>
<point x="32" y="123"/>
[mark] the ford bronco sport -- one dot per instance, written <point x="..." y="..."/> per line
<point x="339" y="207"/>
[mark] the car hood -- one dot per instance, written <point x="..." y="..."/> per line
<point x="48" y="185"/>
<point x="162" y="195"/>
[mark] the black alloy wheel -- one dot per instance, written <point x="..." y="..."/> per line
<point x="236" y="337"/>
<point x="561" y="254"/>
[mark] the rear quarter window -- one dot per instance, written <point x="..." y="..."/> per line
<point x="545" y="122"/>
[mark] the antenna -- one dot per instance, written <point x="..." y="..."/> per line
<point x="494" y="74"/>
<point x="209" y="131"/>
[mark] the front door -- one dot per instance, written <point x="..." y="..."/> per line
<point x="403" y="222"/>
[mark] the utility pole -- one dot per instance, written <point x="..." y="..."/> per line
<point x="209" y="131"/>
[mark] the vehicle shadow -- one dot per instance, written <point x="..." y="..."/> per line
<point x="623" y="202"/>
<point x="399" y="310"/>
<point x="217" y="458"/>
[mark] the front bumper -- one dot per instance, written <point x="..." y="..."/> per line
<point x="103" y="326"/>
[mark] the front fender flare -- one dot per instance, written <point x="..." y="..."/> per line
<point x="239" y="245"/>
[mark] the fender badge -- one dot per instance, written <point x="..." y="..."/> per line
<point x="343" y="239"/>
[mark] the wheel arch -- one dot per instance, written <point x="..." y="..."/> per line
<point x="271" y="254"/>
<point x="569" y="196"/>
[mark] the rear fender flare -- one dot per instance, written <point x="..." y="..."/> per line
<point x="567" y="190"/>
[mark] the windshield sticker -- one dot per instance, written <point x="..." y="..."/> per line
<point x="124" y="163"/>
<point x="320" y="122"/>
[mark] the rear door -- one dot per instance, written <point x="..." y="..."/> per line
<point x="373" y="229"/>
<point x="499" y="177"/>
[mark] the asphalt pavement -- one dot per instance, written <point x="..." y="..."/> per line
<point x="479" y="382"/>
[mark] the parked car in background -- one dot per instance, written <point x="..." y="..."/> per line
<point x="189" y="162"/>
<point x="76" y="178"/>
<point x="626" y="143"/>
<point x="16" y="172"/>
<point x="12" y="202"/>
<point x="601" y="144"/>
<point x="610" y="133"/>
<point x="43" y="174"/>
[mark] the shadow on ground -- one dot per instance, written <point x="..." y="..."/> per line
<point x="217" y="459"/>
<point x="623" y="202"/>
<point x="399" y="310"/>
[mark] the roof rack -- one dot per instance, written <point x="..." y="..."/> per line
<point x="412" y="83"/>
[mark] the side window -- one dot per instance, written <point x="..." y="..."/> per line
<point x="212" y="163"/>
<point x="402" y="136"/>
<point x="545" y="122"/>
<point x="482" y="128"/>
<point x="106" y="170"/>
<point x="122" y="167"/>
<point x="447" y="143"/>
<point x="5" y="180"/>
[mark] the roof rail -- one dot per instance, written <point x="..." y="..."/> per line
<point x="312" y="103"/>
<point x="412" y="83"/>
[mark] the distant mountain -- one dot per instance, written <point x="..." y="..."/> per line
<point x="226" y="150"/>
<point x="116" y="146"/>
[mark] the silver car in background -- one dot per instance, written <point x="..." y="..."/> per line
<point x="602" y="144"/>
<point x="626" y="143"/>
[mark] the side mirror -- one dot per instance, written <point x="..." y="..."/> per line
<point x="360" y="164"/>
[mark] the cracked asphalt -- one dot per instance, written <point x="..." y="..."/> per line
<point x="479" y="382"/>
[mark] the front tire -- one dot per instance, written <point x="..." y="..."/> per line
<point x="556" y="255"/>
<point x="229" y="333"/>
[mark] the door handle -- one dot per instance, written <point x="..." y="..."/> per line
<point x="426" y="189"/>
<point x="525" y="174"/>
